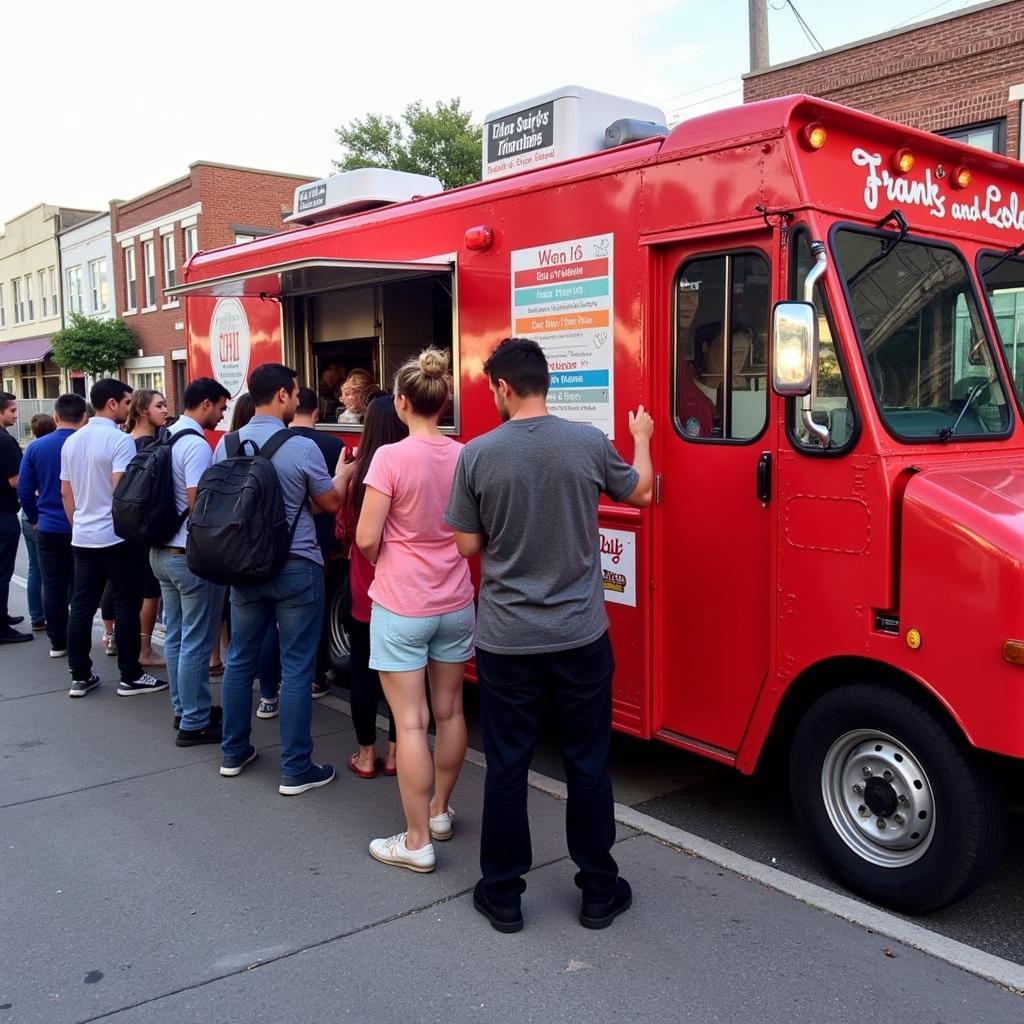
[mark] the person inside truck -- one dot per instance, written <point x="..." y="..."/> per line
<point x="353" y="394"/>
<point x="695" y="410"/>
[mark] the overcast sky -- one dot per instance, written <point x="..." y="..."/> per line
<point x="108" y="99"/>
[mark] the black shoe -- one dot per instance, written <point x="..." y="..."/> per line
<point x="80" y="687"/>
<point x="601" y="913"/>
<point x="195" y="737"/>
<point x="38" y="626"/>
<point x="14" y="620"/>
<point x="14" y="636"/>
<point x="503" y="919"/>
<point x="216" y="716"/>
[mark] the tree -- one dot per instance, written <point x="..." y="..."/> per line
<point x="96" y="347"/>
<point x="442" y="141"/>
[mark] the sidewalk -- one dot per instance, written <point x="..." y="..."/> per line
<point x="137" y="886"/>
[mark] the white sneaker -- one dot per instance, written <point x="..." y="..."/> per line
<point x="58" y="654"/>
<point x="441" y="825"/>
<point x="394" y="851"/>
<point x="144" y="684"/>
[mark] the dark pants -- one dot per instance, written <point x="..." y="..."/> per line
<point x="57" y="566"/>
<point x="514" y="691"/>
<point x="10" y="534"/>
<point x="364" y="686"/>
<point x="93" y="567"/>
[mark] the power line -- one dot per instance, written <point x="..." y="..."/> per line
<point x="700" y="88"/>
<point x="811" y="37"/>
<point x="707" y="99"/>
<point x="921" y="14"/>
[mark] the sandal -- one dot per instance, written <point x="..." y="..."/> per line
<point x="363" y="773"/>
<point x="390" y="772"/>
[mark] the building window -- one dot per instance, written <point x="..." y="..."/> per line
<point x="17" y="300"/>
<point x="149" y="269"/>
<point x="43" y="296"/>
<point x="721" y="318"/>
<point x="53" y="292"/>
<point x="28" y="297"/>
<point x="989" y="135"/>
<point x="29" y="385"/>
<point x="9" y="385"/>
<point x="98" y="284"/>
<point x="191" y="241"/>
<point x="75" y="289"/>
<point x="129" y="277"/>
<point x="3" y="309"/>
<point x="169" y="267"/>
<point x="51" y="380"/>
<point x="242" y="239"/>
<point x="150" y="379"/>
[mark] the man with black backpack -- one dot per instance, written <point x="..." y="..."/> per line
<point x="258" y="534"/>
<point x="192" y="605"/>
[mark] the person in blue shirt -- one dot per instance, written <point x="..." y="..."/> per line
<point x="40" y="425"/>
<point x="39" y="492"/>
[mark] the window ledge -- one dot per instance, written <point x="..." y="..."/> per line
<point x="148" y="309"/>
<point x="170" y="305"/>
<point x="129" y="312"/>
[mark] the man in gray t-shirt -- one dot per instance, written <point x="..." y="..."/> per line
<point x="525" y="496"/>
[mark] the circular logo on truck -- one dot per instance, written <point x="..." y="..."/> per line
<point x="229" y="344"/>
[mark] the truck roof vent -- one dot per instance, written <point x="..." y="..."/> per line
<point x="353" y="191"/>
<point x="629" y="129"/>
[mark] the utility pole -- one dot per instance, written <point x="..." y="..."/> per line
<point x="759" y="60"/>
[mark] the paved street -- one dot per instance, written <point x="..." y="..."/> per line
<point x="139" y="886"/>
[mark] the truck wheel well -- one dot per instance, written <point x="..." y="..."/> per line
<point x="835" y="672"/>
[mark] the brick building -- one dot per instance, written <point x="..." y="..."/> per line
<point x="961" y="74"/>
<point x="155" y="234"/>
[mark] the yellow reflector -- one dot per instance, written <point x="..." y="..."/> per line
<point x="813" y="136"/>
<point x="913" y="639"/>
<point x="961" y="177"/>
<point x="1013" y="652"/>
<point x="902" y="161"/>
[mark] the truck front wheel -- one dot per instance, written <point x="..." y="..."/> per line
<point x="896" y="805"/>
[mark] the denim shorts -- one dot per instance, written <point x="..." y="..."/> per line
<point x="404" y="643"/>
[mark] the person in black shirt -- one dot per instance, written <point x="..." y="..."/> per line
<point x="10" y="531"/>
<point x="304" y="422"/>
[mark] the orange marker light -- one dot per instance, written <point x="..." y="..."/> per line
<point x="813" y="136"/>
<point x="1013" y="652"/>
<point x="902" y="161"/>
<point x="961" y="177"/>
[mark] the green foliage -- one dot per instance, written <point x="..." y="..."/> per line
<point x="96" y="347"/>
<point x="441" y="141"/>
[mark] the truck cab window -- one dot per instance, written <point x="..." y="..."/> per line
<point x="1004" y="285"/>
<point x="924" y="345"/>
<point x="830" y="400"/>
<point x="721" y="309"/>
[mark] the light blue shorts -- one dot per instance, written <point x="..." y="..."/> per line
<point x="404" y="643"/>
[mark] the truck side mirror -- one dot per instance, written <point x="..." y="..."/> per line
<point x="794" y="348"/>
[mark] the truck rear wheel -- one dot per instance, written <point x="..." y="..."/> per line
<point x="896" y="805"/>
<point x="338" y="650"/>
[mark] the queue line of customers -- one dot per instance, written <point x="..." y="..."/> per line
<point x="419" y="505"/>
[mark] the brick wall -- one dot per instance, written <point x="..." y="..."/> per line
<point x="230" y="196"/>
<point x="948" y="73"/>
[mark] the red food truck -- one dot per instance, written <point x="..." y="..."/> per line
<point x="825" y="313"/>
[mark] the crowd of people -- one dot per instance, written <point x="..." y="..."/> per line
<point x="409" y="508"/>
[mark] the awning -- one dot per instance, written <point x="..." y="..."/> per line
<point x="28" y="350"/>
<point x="306" y="277"/>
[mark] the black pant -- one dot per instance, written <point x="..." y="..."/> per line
<point x="364" y="685"/>
<point x="10" y="535"/>
<point x="57" y="566"/>
<point x="514" y="690"/>
<point x="93" y="566"/>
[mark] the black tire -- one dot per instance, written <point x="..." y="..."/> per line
<point x="338" y="651"/>
<point x="840" y="738"/>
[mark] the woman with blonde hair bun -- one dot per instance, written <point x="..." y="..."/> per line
<point x="423" y="615"/>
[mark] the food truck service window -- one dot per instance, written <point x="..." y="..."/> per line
<point x="720" y="317"/>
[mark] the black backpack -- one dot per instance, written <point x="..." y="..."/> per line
<point x="238" y="533"/>
<point x="144" y="508"/>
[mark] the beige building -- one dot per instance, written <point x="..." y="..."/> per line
<point x="30" y="303"/>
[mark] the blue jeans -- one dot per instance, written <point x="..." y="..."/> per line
<point x="36" y="612"/>
<point x="294" y="599"/>
<point x="192" y="613"/>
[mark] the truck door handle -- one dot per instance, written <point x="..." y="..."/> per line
<point x="764" y="478"/>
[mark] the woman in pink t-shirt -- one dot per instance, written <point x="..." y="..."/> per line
<point x="423" y="613"/>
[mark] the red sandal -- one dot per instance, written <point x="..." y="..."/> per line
<point x="363" y="773"/>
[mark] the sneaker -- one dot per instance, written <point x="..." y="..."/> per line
<point x="601" y="913"/>
<point x="316" y="775"/>
<point x="503" y="919"/>
<point x="144" y="684"/>
<point x="80" y="687"/>
<point x="39" y="625"/>
<point x="14" y="620"/>
<point x="393" y="851"/>
<point x="58" y="654"/>
<point x="268" y="708"/>
<point x="14" y="636"/>
<point x="216" y="717"/>
<point x="195" y="737"/>
<point x="320" y="689"/>
<point x="232" y="766"/>
<point x="441" y="826"/>
<point x="177" y="722"/>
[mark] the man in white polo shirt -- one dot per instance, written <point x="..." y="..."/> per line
<point x="192" y="606"/>
<point x="92" y="461"/>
